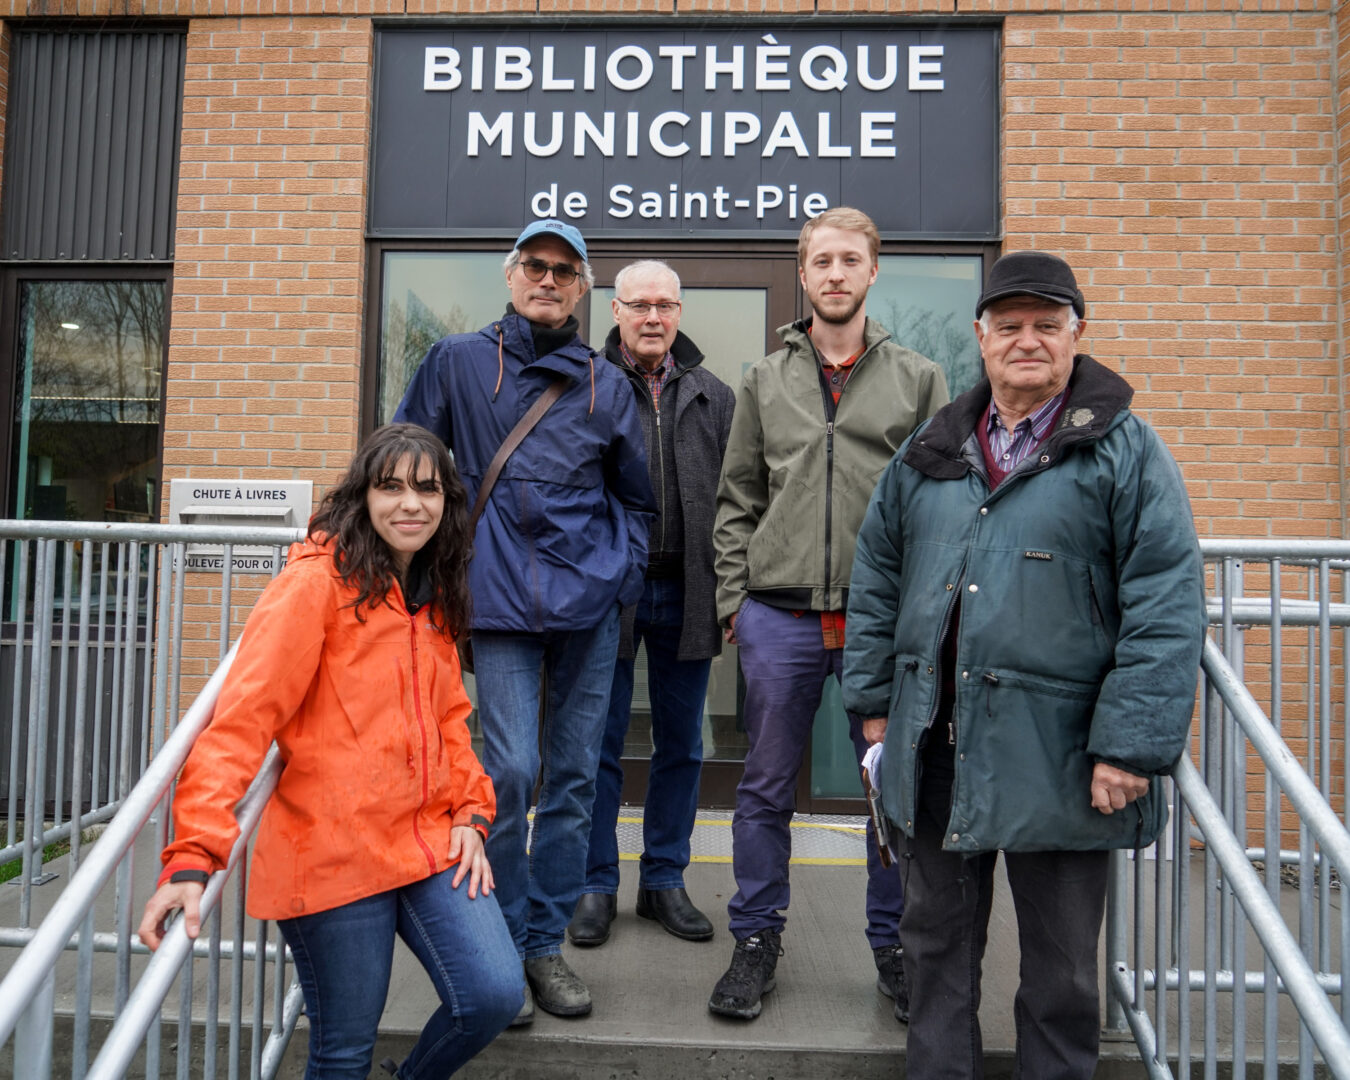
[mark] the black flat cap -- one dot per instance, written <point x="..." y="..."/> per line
<point x="1031" y="273"/>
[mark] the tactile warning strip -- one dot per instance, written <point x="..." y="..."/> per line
<point x="817" y="839"/>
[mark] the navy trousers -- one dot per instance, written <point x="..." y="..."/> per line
<point x="785" y="663"/>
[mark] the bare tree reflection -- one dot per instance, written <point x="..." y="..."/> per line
<point x="88" y="402"/>
<point x="410" y="329"/>
<point x="942" y="337"/>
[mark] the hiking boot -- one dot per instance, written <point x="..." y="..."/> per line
<point x="891" y="978"/>
<point x="557" y="988"/>
<point x="749" y="978"/>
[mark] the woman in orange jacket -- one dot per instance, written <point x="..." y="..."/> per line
<point x="348" y="662"/>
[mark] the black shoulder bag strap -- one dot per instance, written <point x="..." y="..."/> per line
<point x="508" y="447"/>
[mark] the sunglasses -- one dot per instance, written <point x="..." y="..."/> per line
<point x="537" y="269"/>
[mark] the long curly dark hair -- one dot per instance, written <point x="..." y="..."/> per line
<point x="364" y="560"/>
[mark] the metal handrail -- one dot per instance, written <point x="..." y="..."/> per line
<point x="1297" y="786"/>
<point x="21" y="985"/>
<point x="1311" y="550"/>
<point x="100" y="532"/>
<point x="154" y="984"/>
<point x="1298" y="977"/>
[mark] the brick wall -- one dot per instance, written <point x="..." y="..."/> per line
<point x="1342" y="90"/>
<point x="1185" y="164"/>
<point x="265" y="337"/>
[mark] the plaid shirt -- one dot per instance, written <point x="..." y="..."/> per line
<point x="1011" y="448"/>
<point x="656" y="379"/>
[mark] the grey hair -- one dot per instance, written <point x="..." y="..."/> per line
<point x="513" y="260"/>
<point x="644" y="266"/>
<point x="1073" y="319"/>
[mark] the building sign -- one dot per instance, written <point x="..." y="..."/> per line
<point x="738" y="132"/>
<point x="250" y="504"/>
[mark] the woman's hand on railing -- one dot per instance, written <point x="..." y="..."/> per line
<point x="466" y="845"/>
<point x="186" y="896"/>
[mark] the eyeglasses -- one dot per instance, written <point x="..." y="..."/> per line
<point x="665" y="309"/>
<point x="535" y="269"/>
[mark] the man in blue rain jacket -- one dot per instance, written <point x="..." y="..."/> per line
<point x="560" y="547"/>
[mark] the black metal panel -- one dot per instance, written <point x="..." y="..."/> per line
<point x="91" y="155"/>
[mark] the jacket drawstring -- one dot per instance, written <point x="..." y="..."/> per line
<point x="497" y="389"/>
<point x="501" y="368"/>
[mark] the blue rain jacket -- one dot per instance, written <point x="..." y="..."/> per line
<point x="563" y="537"/>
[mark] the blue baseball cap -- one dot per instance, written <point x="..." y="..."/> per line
<point x="568" y="234"/>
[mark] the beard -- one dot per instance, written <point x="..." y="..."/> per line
<point x="839" y="315"/>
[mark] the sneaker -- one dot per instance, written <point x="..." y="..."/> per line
<point x="749" y="978"/>
<point x="557" y="988"/>
<point x="891" y="978"/>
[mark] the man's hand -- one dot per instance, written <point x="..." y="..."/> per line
<point x="874" y="729"/>
<point x="730" y="632"/>
<point x="466" y="845"/>
<point x="169" y="898"/>
<point x="1113" y="789"/>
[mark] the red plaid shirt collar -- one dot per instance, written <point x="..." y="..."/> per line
<point x="656" y="378"/>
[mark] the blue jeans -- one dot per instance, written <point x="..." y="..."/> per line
<point x="677" y="689"/>
<point x="343" y="958"/>
<point x="785" y="663"/>
<point x="538" y="884"/>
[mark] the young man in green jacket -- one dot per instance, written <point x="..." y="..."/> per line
<point x="815" y="424"/>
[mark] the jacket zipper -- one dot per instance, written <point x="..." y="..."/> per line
<point x="660" y="448"/>
<point x="831" y="411"/>
<point x="829" y="504"/>
<point x="422" y="727"/>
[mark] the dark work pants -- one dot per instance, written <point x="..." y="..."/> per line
<point x="1059" y="897"/>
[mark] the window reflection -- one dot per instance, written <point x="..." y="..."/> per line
<point x="428" y="295"/>
<point x="927" y="302"/>
<point x="86" y="443"/>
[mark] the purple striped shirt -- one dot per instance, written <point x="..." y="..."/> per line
<point x="1011" y="448"/>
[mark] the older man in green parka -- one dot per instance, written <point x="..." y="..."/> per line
<point x="1025" y="621"/>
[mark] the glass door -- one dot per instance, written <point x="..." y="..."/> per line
<point x="732" y="309"/>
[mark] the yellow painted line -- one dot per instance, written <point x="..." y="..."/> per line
<point x="795" y="861"/>
<point x="853" y="830"/>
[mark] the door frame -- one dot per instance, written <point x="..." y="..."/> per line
<point x="701" y="262"/>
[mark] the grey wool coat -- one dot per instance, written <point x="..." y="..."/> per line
<point x="703" y="408"/>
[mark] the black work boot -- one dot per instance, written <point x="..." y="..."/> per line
<point x="749" y="978"/>
<point x="590" y="922"/>
<point x="891" y="978"/>
<point x="673" y="909"/>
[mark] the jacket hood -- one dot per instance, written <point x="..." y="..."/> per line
<point x="1098" y="400"/>
<point x="797" y="335"/>
<point x="311" y="547"/>
<point x="687" y="354"/>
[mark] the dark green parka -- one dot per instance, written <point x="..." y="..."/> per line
<point x="1081" y="624"/>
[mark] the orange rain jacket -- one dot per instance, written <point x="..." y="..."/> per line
<point x="370" y="720"/>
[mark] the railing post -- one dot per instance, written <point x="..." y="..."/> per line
<point x="33" y="1034"/>
<point x="1117" y="945"/>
